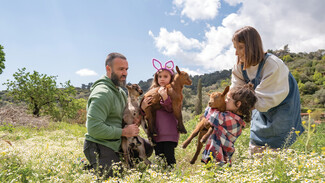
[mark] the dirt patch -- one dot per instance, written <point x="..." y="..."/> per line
<point x="17" y="115"/>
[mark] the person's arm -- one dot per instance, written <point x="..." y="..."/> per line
<point x="274" y="86"/>
<point x="237" y="79"/>
<point x="165" y="102"/>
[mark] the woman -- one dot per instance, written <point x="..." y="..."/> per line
<point x="277" y="111"/>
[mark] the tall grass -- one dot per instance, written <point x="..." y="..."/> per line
<point x="54" y="154"/>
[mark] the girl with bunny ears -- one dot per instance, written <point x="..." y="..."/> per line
<point x="167" y="135"/>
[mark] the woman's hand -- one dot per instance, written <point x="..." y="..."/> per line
<point x="163" y="92"/>
<point x="145" y="103"/>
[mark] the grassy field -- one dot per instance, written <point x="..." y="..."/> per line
<point x="54" y="154"/>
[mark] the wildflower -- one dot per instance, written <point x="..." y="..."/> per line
<point x="297" y="132"/>
<point x="323" y="148"/>
<point x="154" y="174"/>
<point x="309" y="111"/>
<point x="313" y="125"/>
<point x="303" y="122"/>
<point x="211" y="156"/>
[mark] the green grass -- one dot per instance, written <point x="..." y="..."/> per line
<point x="54" y="154"/>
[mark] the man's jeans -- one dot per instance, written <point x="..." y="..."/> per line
<point x="105" y="156"/>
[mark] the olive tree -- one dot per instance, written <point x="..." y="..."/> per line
<point x="36" y="90"/>
<point x="40" y="93"/>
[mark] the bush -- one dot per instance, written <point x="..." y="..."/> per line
<point x="320" y="96"/>
<point x="308" y="87"/>
<point x="287" y="58"/>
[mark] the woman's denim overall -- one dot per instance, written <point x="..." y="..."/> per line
<point x="276" y="127"/>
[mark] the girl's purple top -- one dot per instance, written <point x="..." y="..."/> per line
<point x="166" y="123"/>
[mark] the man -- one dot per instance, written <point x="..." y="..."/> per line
<point x="105" y="108"/>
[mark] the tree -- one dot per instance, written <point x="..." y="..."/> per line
<point x="287" y="58"/>
<point x="65" y="105"/>
<point x="198" y="105"/>
<point x="296" y="74"/>
<point x="2" y="59"/>
<point x="307" y="88"/>
<point x="41" y="94"/>
<point x="224" y="83"/>
<point x="318" y="78"/>
<point x="188" y="102"/>
<point x="320" y="96"/>
<point x="37" y="90"/>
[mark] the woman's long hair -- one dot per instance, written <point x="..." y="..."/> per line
<point x="254" y="52"/>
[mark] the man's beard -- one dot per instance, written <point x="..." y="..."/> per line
<point x="116" y="80"/>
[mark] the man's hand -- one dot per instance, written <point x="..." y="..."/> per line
<point x="130" y="130"/>
<point x="137" y="120"/>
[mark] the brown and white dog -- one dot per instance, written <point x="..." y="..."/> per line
<point x="131" y="112"/>
<point x="203" y="128"/>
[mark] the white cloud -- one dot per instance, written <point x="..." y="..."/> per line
<point x="173" y="43"/>
<point x="211" y="54"/>
<point x="192" y="72"/>
<point x="86" y="72"/>
<point x="298" y="23"/>
<point x="198" y="10"/>
<point x="294" y="22"/>
<point x="233" y="2"/>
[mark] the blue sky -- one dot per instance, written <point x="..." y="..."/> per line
<point x="71" y="39"/>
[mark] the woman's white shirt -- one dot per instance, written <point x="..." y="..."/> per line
<point x="274" y="85"/>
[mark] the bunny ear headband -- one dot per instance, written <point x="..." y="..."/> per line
<point x="169" y="65"/>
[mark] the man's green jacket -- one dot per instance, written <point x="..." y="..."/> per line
<point x="105" y="108"/>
